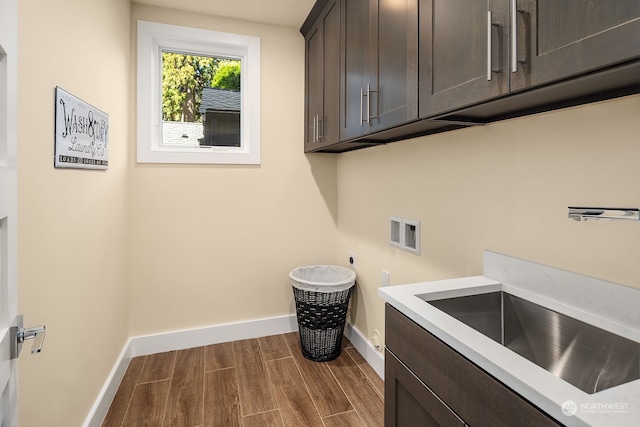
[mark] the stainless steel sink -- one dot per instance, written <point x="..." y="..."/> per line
<point x="585" y="356"/>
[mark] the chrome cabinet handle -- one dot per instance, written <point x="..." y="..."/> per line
<point x="369" y="116"/>
<point x="320" y="127"/>
<point x="361" y="100"/>
<point x="316" y="128"/>
<point x="489" y="45"/>
<point x="313" y="130"/>
<point x="490" y="25"/>
<point x="514" y="36"/>
<point x="368" y="104"/>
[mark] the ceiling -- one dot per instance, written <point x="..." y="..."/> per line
<point x="291" y="13"/>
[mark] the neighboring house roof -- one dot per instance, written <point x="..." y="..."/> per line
<point x="219" y="100"/>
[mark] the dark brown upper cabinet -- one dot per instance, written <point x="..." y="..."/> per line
<point x="322" y="79"/>
<point x="462" y="53"/>
<point x="379" y="70"/>
<point x="553" y="40"/>
<point x="473" y="51"/>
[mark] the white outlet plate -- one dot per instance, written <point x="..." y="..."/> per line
<point x="376" y="340"/>
<point x="352" y="260"/>
<point x="386" y="279"/>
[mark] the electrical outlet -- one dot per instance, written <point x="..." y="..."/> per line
<point x="376" y="340"/>
<point x="386" y="279"/>
<point x="352" y="260"/>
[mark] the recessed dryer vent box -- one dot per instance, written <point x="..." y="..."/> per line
<point x="405" y="234"/>
<point x="395" y="231"/>
<point x="412" y="236"/>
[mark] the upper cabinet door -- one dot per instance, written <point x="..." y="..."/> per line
<point x="314" y="87"/>
<point x="356" y="76"/>
<point x="560" y="39"/>
<point x="380" y="65"/>
<point x="462" y="53"/>
<point x="322" y="101"/>
<point x="329" y="123"/>
<point x="395" y="100"/>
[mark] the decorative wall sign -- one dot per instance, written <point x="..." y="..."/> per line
<point x="82" y="134"/>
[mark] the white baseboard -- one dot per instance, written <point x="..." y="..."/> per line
<point x="366" y="349"/>
<point x="107" y="393"/>
<point x="178" y="340"/>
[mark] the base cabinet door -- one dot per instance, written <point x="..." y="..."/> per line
<point x="410" y="403"/>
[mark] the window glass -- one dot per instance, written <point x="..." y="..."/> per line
<point x="201" y="100"/>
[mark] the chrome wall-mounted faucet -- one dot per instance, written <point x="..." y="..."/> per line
<point x="579" y="214"/>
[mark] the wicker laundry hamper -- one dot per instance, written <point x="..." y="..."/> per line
<point x="322" y="294"/>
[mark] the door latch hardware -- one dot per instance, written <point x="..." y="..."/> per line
<point x="19" y="335"/>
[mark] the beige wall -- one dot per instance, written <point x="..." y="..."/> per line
<point x="72" y="223"/>
<point x="143" y="249"/>
<point x="503" y="187"/>
<point x="215" y="244"/>
<point x="150" y="248"/>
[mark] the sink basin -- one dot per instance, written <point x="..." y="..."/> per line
<point x="590" y="358"/>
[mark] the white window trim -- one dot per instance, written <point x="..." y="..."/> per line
<point x="152" y="39"/>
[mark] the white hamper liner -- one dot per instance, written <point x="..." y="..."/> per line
<point x="322" y="278"/>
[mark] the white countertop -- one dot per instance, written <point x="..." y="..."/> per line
<point x="603" y="304"/>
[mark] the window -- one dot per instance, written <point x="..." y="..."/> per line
<point x="198" y="96"/>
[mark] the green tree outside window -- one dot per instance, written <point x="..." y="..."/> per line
<point x="183" y="78"/>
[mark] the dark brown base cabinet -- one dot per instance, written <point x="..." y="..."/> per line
<point x="409" y="402"/>
<point x="427" y="383"/>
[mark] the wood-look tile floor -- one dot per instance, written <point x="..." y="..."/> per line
<point x="257" y="382"/>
